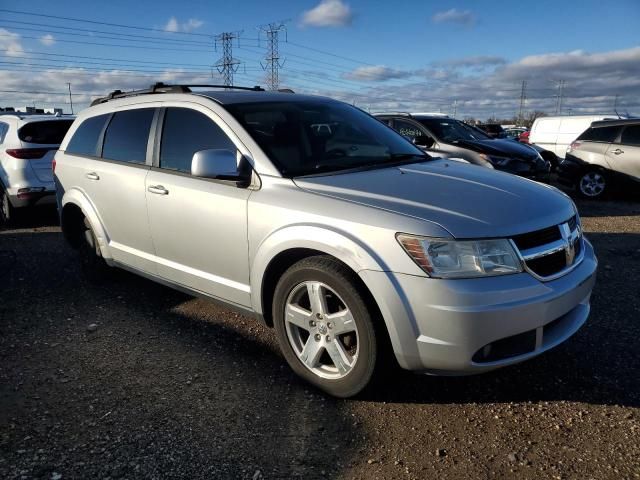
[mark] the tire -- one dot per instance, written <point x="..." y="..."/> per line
<point x="93" y="266"/>
<point x="339" y="328"/>
<point x="7" y="211"/>
<point x="592" y="184"/>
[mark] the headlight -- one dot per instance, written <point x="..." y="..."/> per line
<point x="442" y="258"/>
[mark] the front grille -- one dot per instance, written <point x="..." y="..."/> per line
<point x="537" y="238"/>
<point x="539" y="249"/>
<point x="549" y="264"/>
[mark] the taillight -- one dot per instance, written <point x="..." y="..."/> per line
<point x="574" y="146"/>
<point x="53" y="165"/>
<point x="27" y="153"/>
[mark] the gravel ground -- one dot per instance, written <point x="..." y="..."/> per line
<point x="134" y="380"/>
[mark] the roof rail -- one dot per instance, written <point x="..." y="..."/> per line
<point x="160" y="87"/>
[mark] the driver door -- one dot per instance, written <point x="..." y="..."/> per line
<point x="198" y="225"/>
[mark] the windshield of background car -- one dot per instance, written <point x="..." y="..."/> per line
<point x="451" y="131"/>
<point x="308" y="137"/>
<point x="45" y="132"/>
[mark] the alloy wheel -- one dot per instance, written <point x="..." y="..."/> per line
<point x="592" y="184"/>
<point x="321" y="330"/>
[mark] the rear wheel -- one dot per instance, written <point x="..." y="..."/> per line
<point x="94" y="268"/>
<point x="592" y="184"/>
<point x="324" y="327"/>
<point x="7" y="211"/>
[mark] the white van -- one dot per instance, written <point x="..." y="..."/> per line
<point x="556" y="133"/>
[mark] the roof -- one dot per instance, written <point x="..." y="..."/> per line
<point x="227" y="97"/>
<point x="616" y="123"/>
<point x="30" y="117"/>
<point x="421" y="115"/>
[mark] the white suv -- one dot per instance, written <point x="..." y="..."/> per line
<point x="329" y="226"/>
<point x="27" y="146"/>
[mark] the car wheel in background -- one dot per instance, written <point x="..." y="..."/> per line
<point x="324" y="327"/>
<point x="94" y="268"/>
<point x="7" y="212"/>
<point x="592" y="184"/>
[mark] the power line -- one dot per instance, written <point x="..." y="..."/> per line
<point x="117" y="45"/>
<point x="324" y="52"/>
<point x="119" y="25"/>
<point x="64" y="27"/>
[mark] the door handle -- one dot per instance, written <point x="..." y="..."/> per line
<point x="93" y="176"/>
<point x="617" y="151"/>
<point x="158" y="190"/>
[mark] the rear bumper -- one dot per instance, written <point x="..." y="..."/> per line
<point x="458" y="327"/>
<point x="32" y="195"/>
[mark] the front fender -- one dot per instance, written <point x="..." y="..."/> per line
<point x="78" y="198"/>
<point x="338" y="244"/>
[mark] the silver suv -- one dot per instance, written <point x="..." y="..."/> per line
<point x="27" y="146"/>
<point x="327" y="225"/>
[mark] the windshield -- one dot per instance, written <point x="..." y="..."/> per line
<point x="452" y="131"/>
<point x="308" y="137"/>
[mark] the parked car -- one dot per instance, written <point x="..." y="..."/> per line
<point x="27" y="145"/>
<point x="514" y="133"/>
<point x="524" y="137"/>
<point x="348" y="239"/>
<point x="444" y="136"/>
<point x="494" y="130"/>
<point x="606" y="157"/>
<point x="556" y="133"/>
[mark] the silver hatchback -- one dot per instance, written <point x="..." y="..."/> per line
<point x="327" y="225"/>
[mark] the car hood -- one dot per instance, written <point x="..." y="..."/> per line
<point x="501" y="148"/>
<point x="467" y="200"/>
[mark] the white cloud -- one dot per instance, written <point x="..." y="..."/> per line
<point x="173" y="25"/>
<point x="461" y="17"/>
<point x="376" y="73"/>
<point x="328" y="13"/>
<point x="10" y="43"/>
<point x="47" y="40"/>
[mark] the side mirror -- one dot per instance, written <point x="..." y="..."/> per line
<point x="424" y="141"/>
<point x="217" y="164"/>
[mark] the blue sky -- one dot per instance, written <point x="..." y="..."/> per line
<point x="412" y="55"/>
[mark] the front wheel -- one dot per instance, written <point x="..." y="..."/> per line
<point x="592" y="184"/>
<point x="324" y="327"/>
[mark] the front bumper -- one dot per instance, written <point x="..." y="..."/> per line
<point x="458" y="327"/>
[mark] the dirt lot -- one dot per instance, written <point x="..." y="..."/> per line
<point x="169" y="386"/>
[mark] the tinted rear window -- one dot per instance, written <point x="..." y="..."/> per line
<point x="45" y="132"/>
<point x="600" y="134"/>
<point x="631" y="135"/>
<point x="85" y="139"/>
<point x="127" y="136"/>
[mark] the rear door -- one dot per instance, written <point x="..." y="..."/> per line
<point x="113" y="179"/>
<point x="199" y="225"/>
<point x="46" y="135"/>
<point x="625" y="155"/>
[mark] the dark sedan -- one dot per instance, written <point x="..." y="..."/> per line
<point x="451" y="138"/>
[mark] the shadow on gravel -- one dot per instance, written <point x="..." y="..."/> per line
<point x="46" y="216"/>
<point x="167" y="386"/>
<point x="597" y="365"/>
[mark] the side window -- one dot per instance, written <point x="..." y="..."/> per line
<point x="4" y="128"/>
<point x="127" y="136"/>
<point x="631" y="135"/>
<point x="185" y="132"/>
<point x="407" y="129"/>
<point x="600" y="134"/>
<point x="85" y="139"/>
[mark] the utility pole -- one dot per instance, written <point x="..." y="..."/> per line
<point x="561" y="96"/>
<point x="523" y="99"/>
<point x="455" y="108"/>
<point x="615" y="104"/>
<point x="227" y="65"/>
<point x="272" y="58"/>
<point x="70" y="99"/>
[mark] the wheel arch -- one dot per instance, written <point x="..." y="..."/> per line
<point x="75" y="208"/>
